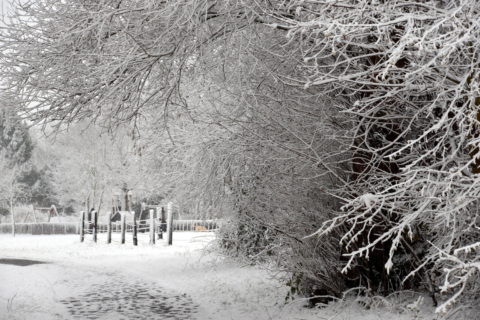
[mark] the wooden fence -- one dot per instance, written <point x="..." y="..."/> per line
<point x="73" y="227"/>
<point x="178" y="225"/>
<point x="41" y="228"/>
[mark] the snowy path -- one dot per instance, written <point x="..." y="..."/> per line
<point x="115" y="297"/>
<point x="100" y="281"/>
<point x="106" y="282"/>
<point x="56" y="291"/>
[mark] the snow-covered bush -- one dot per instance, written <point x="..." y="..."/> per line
<point x="410" y="71"/>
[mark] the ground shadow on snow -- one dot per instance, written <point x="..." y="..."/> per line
<point x="129" y="300"/>
<point x="20" y="262"/>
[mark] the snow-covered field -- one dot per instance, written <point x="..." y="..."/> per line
<point x="86" y="280"/>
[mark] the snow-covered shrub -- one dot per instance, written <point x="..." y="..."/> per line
<point x="410" y="71"/>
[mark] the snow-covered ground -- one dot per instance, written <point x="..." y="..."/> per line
<point x="188" y="280"/>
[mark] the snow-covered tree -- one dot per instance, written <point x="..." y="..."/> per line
<point x="15" y="152"/>
<point x="89" y="165"/>
<point x="409" y="72"/>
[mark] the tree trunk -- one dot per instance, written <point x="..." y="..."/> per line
<point x="34" y="215"/>
<point x="100" y="201"/>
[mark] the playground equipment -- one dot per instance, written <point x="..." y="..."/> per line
<point x="154" y="224"/>
<point x="50" y="212"/>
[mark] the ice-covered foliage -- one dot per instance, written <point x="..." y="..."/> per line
<point x="411" y="71"/>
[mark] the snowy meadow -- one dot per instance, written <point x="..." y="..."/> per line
<point x="188" y="280"/>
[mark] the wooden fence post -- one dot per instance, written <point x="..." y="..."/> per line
<point x="135" y="239"/>
<point x="109" y="228"/>
<point x="169" y="223"/>
<point x="82" y="226"/>
<point x="122" y="227"/>
<point x="152" y="228"/>
<point x="95" y="225"/>
<point x="161" y="218"/>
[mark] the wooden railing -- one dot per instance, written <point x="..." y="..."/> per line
<point x="42" y="228"/>
<point x="73" y="227"/>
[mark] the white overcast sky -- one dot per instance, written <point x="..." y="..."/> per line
<point x="3" y="8"/>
